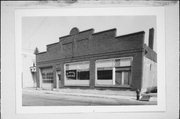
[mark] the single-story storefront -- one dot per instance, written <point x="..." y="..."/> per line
<point x="98" y="60"/>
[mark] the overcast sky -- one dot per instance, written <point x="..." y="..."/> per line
<point x="41" y="31"/>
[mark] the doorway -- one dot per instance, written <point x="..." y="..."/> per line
<point x="122" y="77"/>
<point x="58" y="77"/>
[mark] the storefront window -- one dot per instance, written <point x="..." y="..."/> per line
<point x="77" y="71"/>
<point x="122" y="71"/>
<point x="83" y="75"/>
<point x="71" y="74"/>
<point x="115" y="71"/>
<point x="104" y="73"/>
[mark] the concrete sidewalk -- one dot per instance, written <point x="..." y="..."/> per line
<point x="115" y="94"/>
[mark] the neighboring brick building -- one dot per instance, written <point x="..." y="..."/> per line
<point x="98" y="60"/>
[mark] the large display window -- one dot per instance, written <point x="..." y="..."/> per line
<point x="115" y="71"/>
<point x="105" y="73"/>
<point x="82" y="75"/>
<point x="77" y="73"/>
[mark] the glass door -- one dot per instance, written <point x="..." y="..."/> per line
<point x="122" y="78"/>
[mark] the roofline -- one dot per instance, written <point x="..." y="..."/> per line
<point x="79" y="32"/>
<point x="113" y="29"/>
<point x="42" y="52"/>
<point x="150" y="48"/>
<point x="140" y="32"/>
<point x="105" y="31"/>
<point x="64" y="36"/>
<point x="52" y="44"/>
<point x="86" y="30"/>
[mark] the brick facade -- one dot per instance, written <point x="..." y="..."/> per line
<point x="90" y="46"/>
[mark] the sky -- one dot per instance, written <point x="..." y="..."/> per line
<point x="41" y="31"/>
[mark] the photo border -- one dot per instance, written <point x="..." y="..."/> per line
<point x="125" y="11"/>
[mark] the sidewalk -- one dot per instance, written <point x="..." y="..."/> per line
<point x="117" y="94"/>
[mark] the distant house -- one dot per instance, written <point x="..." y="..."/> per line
<point x="88" y="59"/>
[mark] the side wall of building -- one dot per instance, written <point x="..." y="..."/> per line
<point x="149" y="74"/>
<point x="149" y="68"/>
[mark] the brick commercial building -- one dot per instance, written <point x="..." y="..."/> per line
<point x="96" y="60"/>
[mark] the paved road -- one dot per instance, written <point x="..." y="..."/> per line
<point x="48" y="99"/>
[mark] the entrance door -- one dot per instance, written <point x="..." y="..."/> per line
<point x="118" y="77"/>
<point x="58" y="77"/>
<point x="122" y="77"/>
<point x="126" y="77"/>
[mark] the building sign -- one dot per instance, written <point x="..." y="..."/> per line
<point x="33" y="69"/>
<point x="71" y="74"/>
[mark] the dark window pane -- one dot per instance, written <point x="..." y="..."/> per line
<point x="83" y="75"/>
<point x="104" y="74"/>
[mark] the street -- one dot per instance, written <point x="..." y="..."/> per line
<point x="50" y="99"/>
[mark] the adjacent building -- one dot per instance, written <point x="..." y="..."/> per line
<point x="28" y="77"/>
<point x="98" y="60"/>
